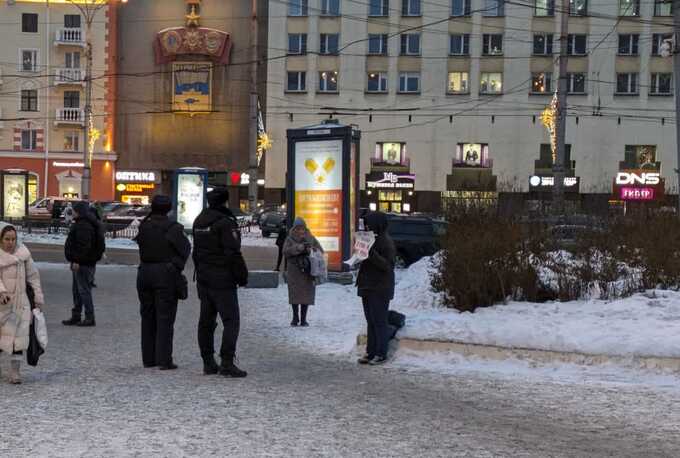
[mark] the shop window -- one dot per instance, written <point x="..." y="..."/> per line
<point x="296" y="82"/>
<point x="472" y="155"/>
<point x="663" y="8"/>
<point x="576" y="44"/>
<point x="628" y="44"/>
<point x="629" y="7"/>
<point x="459" y="44"/>
<point x="298" y="8"/>
<point x="410" y="44"/>
<point x="576" y="83"/>
<point x="543" y="44"/>
<point x="33" y="186"/>
<point x="72" y="141"/>
<point x="377" y="44"/>
<point x="377" y="82"/>
<point x="657" y="42"/>
<point x="491" y="83"/>
<point x="493" y="8"/>
<point x="541" y="83"/>
<point x="328" y="43"/>
<point x="29" y="100"/>
<point x="72" y="21"/>
<point x="627" y="83"/>
<point x="409" y="82"/>
<point x="492" y="44"/>
<point x="379" y="8"/>
<point x="29" y="23"/>
<point x="297" y="43"/>
<point x="544" y="8"/>
<point x="460" y="7"/>
<point x="578" y="7"/>
<point x="29" y="60"/>
<point x="328" y="81"/>
<point x="410" y="8"/>
<point x="330" y="7"/>
<point x="661" y="84"/>
<point x="29" y="139"/>
<point x="458" y="83"/>
<point x="640" y="157"/>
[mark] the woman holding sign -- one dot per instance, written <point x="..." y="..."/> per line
<point x="301" y="286"/>
<point x="375" y="284"/>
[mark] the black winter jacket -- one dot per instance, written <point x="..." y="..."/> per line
<point x="80" y="243"/>
<point x="217" y="242"/>
<point x="376" y="274"/>
<point x="162" y="241"/>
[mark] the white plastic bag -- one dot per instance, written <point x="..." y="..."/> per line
<point x="318" y="268"/>
<point x="40" y="327"/>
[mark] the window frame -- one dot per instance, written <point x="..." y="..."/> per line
<point x="548" y="44"/>
<point x="466" y="79"/>
<point x="549" y="10"/>
<point x="654" y="84"/>
<point x="572" y="10"/>
<point x="303" y="6"/>
<point x="68" y="17"/>
<point x="72" y="98"/>
<point x="325" y="9"/>
<point x="657" y="41"/>
<point x="488" y="80"/>
<point x="549" y="89"/>
<point x="302" y="44"/>
<point x="659" y="4"/>
<point x="29" y="100"/>
<point x="72" y="134"/>
<point x="405" y="77"/>
<point x="499" y="10"/>
<point x="464" y="44"/>
<point x="324" y="44"/>
<point x="487" y="42"/>
<point x="407" y="5"/>
<point x="32" y="139"/>
<point x="381" y="77"/>
<point x="301" y="81"/>
<point x="384" y="8"/>
<point x="382" y="39"/>
<point x="35" y="59"/>
<point x="323" y="88"/>
<point x="30" y="21"/>
<point x="571" y="44"/>
<point x="405" y="39"/>
<point x="633" y="44"/>
<point x="466" y="8"/>
<point x="570" y="83"/>
<point x="632" y="84"/>
<point x="635" y="12"/>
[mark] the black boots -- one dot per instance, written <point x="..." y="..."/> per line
<point x="210" y="366"/>
<point x="73" y="321"/>
<point x="296" y="315"/>
<point x="229" y="369"/>
<point x="87" y="322"/>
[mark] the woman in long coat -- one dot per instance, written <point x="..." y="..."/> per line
<point x="16" y="270"/>
<point x="301" y="286"/>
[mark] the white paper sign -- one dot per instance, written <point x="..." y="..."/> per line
<point x="363" y="241"/>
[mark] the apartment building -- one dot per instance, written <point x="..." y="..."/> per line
<point x="42" y="95"/>
<point x="449" y="95"/>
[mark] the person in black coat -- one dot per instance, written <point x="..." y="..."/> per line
<point x="81" y="252"/>
<point x="280" y="240"/>
<point x="219" y="271"/>
<point x="163" y="252"/>
<point x="375" y="283"/>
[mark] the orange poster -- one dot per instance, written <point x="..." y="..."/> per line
<point x="318" y="194"/>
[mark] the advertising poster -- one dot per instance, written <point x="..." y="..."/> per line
<point x="15" y="196"/>
<point x="318" y="194"/>
<point x="472" y="153"/>
<point x="391" y="153"/>
<point x="189" y="198"/>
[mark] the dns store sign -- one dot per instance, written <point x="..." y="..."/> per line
<point x="640" y="186"/>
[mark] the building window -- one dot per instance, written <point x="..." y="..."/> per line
<point x="543" y="44"/>
<point x="328" y="81"/>
<point x="29" y="60"/>
<point x="660" y="84"/>
<point x="629" y="7"/>
<point x="297" y="43"/>
<point x="72" y="21"/>
<point x="296" y="82"/>
<point x="379" y="8"/>
<point x="657" y="41"/>
<point x="377" y="44"/>
<point x="491" y="83"/>
<point x="29" y="23"/>
<point x="492" y="44"/>
<point x="330" y="7"/>
<point x="663" y="7"/>
<point x="29" y="139"/>
<point x="72" y="141"/>
<point x="640" y="157"/>
<point x="578" y="7"/>
<point x="576" y="83"/>
<point x="29" y="100"/>
<point x="71" y="99"/>
<point x="576" y="44"/>
<point x="410" y="8"/>
<point x="458" y="83"/>
<point x="72" y="60"/>
<point x="410" y="44"/>
<point x="541" y="83"/>
<point x="409" y="82"/>
<point x="328" y="43"/>
<point x="297" y="8"/>
<point x="459" y="44"/>
<point x="544" y="8"/>
<point x="377" y="82"/>
<point x="460" y="7"/>
<point x="493" y="8"/>
<point x="628" y="44"/>
<point x="626" y="83"/>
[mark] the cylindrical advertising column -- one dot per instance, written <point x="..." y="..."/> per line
<point x="189" y="190"/>
<point x="14" y="193"/>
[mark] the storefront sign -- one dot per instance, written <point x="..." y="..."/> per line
<point x="633" y="178"/>
<point x="135" y="187"/>
<point x="68" y="164"/>
<point x="390" y="180"/>
<point x="139" y="177"/>
<point x="628" y="193"/>
<point x="638" y="185"/>
<point x="538" y="183"/>
<point x="318" y="193"/>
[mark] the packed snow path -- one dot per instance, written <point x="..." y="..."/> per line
<point x="90" y="397"/>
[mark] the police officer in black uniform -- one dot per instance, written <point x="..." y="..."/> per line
<point x="163" y="251"/>
<point x="220" y="269"/>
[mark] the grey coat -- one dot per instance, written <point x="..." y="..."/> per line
<point x="301" y="286"/>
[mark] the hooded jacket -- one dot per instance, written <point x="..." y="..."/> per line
<point x="80" y="243"/>
<point x="376" y="273"/>
<point x="217" y="242"/>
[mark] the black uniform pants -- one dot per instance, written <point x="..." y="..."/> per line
<point x="376" y="307"/>
<point x="225" y="303"/>
<point x="158" y="306"/>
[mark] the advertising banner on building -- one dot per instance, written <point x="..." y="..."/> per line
<point x="14" y="195"/>
<point x="189" y="196"/>
<point x="192" y="87"/>
<point x="318" y="193"/>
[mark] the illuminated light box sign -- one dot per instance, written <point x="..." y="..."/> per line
<point x="390" y="180"/>
<point x="135" y="187"/>
<point x="68" y="164"/>
<point x="628" y="193"/>
<point x="634" y="178"/>
<point x="139" y="177"/>
<point x="537" y="183"/>
<point x="639" y="186"/>
<point x="189" y="194"/>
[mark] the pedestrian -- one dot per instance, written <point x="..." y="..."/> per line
<point x="163" y="252"/>
<point x="375" y="283"/>
<point x="84" y="247"/>
<point x="17" y="270"/>
<point x="280" y="240"/>
<point x="68" y="214"/>
<point x="56" y="215"/>
<point x="301" y="285"/>
<point x="220" y="270"/>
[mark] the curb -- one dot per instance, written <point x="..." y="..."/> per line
<point x="497" y="353"/>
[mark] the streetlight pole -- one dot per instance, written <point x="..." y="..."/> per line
<point x="252" y="134"/>
<point x="676" y="87"/>
<point x="561" y="121"/>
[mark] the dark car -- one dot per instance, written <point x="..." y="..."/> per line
<point x="415" y="237"/>
<point x="261" y="211"/>
<point x="270" y="223"/>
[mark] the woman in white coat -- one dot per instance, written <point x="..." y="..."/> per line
<point x="16" y="270"/>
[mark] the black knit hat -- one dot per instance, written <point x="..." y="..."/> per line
<point x="81" y="207"/>
<point x="161" y="205"/>
<point x="218" y="196"/>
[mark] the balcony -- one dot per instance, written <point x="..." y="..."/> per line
<point x="69" y="76"/>
<point x="70" y="116"/>
<point x="380" y="165"/>
<point x="70" y="37"/>
<point x="485" y="163"/>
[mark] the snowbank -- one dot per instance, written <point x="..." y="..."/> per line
<point x="413" y="289"/>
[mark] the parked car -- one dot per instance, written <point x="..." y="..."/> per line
<point x="415" y="237"/>
<point x="270" y="222"/>
<point x="44" y="207"/>
<point x="127" y="214"/>
<point x="257" y="215"/>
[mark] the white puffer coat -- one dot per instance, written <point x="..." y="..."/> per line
<point x="15" y="317"/>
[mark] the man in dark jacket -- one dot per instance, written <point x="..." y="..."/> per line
<point x="281" y="236"/>
<point x="375" y="283"/>
<point x="81" y="251"/>
<point x="163" y="252"/>
<point x="219" y="271"/>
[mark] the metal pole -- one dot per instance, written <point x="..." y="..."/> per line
<point x="561" y="128"/>
<point x="252" y="134"/>
<point x="87" y="159"/>
<point x="676" y="78"/>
